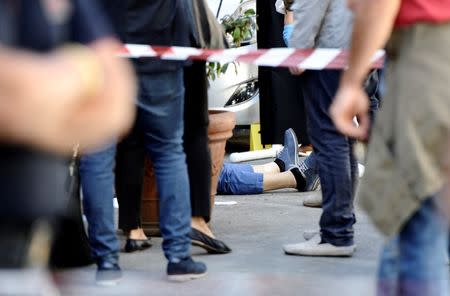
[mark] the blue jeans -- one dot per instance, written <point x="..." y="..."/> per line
<point x="239" y="179"/>
<point x="160" y="117"/>
<point x="337" y="167"/>
<point x="97" y="179"/>
<point x="415" y="261"/>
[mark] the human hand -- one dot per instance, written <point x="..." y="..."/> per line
<point x="54" y="101"/>
<point x="351" y="101"/>
<point x="109" y="114"/>
<point x="353" y="5"/>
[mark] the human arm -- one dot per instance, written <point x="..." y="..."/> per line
<point x="289" y="18"/>
<point x="44" y="101"/>
<point x="373" y="24"/>
<point x="288" y="26"/>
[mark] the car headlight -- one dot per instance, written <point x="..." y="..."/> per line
<point x="245" y="91"/>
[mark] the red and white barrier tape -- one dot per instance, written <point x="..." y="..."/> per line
<point x="308" y="59"/>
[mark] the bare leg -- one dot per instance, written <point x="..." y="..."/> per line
<point x="137" y="234"/>
<point x="199" y="223"/>
<point x="279" y="181"/>
<point x="268" y="168"/>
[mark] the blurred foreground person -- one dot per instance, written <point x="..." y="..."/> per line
<point x="51" y="95"/>
<point x="405" y="168"/>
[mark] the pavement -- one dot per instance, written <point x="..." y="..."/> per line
<point x="255" y="228"/>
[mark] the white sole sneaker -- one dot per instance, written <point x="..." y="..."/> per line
<point x="110" y="283"/>
<point x="314" y="201"/>
<point x="313" y="247"/>
<point x="185" y="277"/>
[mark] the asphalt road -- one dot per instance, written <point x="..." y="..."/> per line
<point x="255" y="228"/>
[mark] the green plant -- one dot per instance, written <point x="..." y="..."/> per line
<point x="240" y="28"/>
<point x="214" y="70"/>
<point x="237" y="29"/>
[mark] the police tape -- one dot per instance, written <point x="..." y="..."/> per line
<point x="308" y="59"/>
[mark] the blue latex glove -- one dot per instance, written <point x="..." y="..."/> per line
<point x="287" y="32"/>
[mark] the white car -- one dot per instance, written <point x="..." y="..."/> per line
<point x="237" y="90"/>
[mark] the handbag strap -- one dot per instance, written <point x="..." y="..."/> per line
<point x="73" y="161"/>
<point x="210" y="33"/>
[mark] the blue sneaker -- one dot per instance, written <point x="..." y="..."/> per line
<point x="313" y="182"/>
<point x="309" y="169"/>
<point x="185" y="270"/>
<point x="288" y="156"/>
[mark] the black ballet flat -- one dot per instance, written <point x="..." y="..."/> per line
<point x="133" y="245"/>
<point x="211" y="245"/>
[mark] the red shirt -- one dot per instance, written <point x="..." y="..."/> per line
<point x="423" y="11"/>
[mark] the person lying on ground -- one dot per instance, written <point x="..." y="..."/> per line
<point x="287" y="171"/>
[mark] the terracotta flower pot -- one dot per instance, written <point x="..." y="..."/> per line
<point x="221" y="124"/>
<point x="220" y="129"/>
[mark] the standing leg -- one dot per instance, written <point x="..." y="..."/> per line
<point x="129" y="181"/>
<point x="332" y="151"/>
<point x="413" y="263"/>
<point x="388" y="271"/>
<point x="97" y="181"/>
<point x="423" y="268"/>
<point x="198" y="158"/>
<point x="160" y="116"/>
<point x="161" y="103"/>
<point x="196" y="123"/>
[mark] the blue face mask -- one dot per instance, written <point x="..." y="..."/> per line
<point x="287" y="32"/>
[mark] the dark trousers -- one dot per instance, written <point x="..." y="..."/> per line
<point x="129" y="178"/>
<point x="131" y="153"/>
<point x="338" y="168"/>
<point x="196" y="147"/>
<point x="14" y="249"/>
<point x="32" y="189"/>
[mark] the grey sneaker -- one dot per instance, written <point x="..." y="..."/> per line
<point x="314" y="247"/>
<point x="313" y="201"/>
<point x="288" y="156"/>
<point x="308" y="167"/>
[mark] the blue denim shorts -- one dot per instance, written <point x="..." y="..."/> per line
<point x="239" y="179"/>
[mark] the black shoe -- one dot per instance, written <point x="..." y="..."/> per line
<point x="108" y="273"/>
<point x="133" y="245"/>
<point x="185" y="270"/>
<point x="211" y="245"/>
